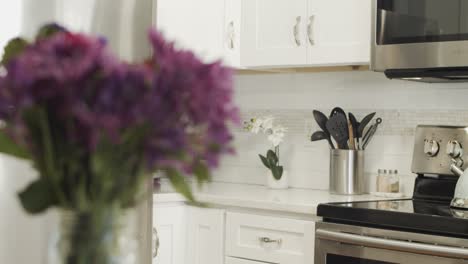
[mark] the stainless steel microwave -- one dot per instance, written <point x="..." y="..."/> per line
<point x="420" y="40"/>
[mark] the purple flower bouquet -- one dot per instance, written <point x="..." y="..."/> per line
<point x="95" y="127"/>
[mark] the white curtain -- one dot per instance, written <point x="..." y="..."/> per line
<point x="23" y="238"/>
<point x="10" y="20"/>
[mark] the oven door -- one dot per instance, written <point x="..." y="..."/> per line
<point x="338" y="246"/>
<point x="419" y="34"/>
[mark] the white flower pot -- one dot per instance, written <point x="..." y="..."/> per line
<point x="282" y="183"/>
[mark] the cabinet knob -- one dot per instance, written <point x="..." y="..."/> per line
<point x="155" y="243"/>
<point x="267" y="240"/>
<point x="296" y="31"/>
<point x="310" y="30"/>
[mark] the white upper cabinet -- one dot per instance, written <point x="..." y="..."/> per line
<point x="338" y="32"/>
<point x="196" y="25"/>
<point x="272" y="32"/>
<point x="303" y="33"/>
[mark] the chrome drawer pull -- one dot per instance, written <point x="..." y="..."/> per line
<point x="267" y="240"/>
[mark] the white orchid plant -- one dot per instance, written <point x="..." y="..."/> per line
<point x="275" y="134"/>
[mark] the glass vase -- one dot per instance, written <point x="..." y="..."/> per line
<point x="103" y="236"/>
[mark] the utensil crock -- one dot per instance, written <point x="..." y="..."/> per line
<point x="346" y="172"/>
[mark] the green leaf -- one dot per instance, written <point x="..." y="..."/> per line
<point x="277" y="172"/>
<point x="13" y="49"/>
<point x="202" y="173"/>
<point x="37" y="120"/>
<point x="9" y="147"/>
<point x="180" y="184"/>
<point x="49" y="30"/>
<point x="272" y="158"/>
<point x="264" y="161"/>
<point x="38" y="197"/>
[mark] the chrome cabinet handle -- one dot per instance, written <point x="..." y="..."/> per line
<point x="397" y="245"/>
<point x="310" y="30"/>
<point x="267" y="240"/>
<point x="231" y="35"/>
<point x="296" y="31"/>
<point x="155" y="243"/>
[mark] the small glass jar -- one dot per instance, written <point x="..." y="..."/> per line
<point x="382" y="181"/>
<point x="388" y="181"/>
<point x="394" y="181"/>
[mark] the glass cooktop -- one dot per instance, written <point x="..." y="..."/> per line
<point x="423" y="216"/>
<point x="406" y="206"/>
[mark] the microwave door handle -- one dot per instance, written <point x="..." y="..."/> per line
<point x="397" y="245"/>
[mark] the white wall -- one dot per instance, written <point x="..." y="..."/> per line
<point x="292" y="97"/>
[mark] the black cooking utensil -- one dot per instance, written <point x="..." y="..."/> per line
<point x="337" y="125"/>
<point x="337" y="110"/>
<point x="365" y="121"/>
<point x="319" y="135"/>
<point x="321" y="120"/>
<point x="371" y="132"/>
<point x="355" y="125"/>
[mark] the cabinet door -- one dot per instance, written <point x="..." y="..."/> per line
<point x="195" y="25"/>
<point x="338" y="32"/>
<point x="273" y="33"/>
<point x="205" y="236"/>
<point x="169" y="223"/>
<point x="232" y="33"/>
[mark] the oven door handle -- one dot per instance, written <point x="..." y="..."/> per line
<point x="397" y="245"/>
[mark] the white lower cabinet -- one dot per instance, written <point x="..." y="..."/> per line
<point x="270" y="239"/>
<point x="193" y="235"/>
<point x="169" y="223"/>
<point x="230" y="260"/>
<point x="205" y="236"/>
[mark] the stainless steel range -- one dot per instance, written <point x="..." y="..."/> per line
<point x="424" y="229"/>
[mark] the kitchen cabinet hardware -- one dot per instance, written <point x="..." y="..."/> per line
<point x="310" y="30"/>
<point x="231" y="35"/>
<point x="155" y="243"/>
<point x="267" y="240"/>
<point x="297" y="30"/>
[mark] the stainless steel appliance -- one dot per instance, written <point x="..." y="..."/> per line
<point x="339" y="244"/>
<point x="423" y="229"/>
<point x="421" y="40"/>
<point x="124" y="23"/>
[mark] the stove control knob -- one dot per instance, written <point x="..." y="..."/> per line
<point x="431" y="147"/>
<point x="454" y="149"/>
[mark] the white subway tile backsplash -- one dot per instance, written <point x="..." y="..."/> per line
<point x="291" y="99"/>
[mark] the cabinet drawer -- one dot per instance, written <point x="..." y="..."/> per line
<point x="241" y="261"/>
<point x="270" y="239"/>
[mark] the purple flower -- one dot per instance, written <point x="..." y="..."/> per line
<point x="198" y="98"/>
<point x="184" y="104"/>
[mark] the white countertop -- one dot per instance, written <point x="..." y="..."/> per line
<point x="302" y="201"/>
